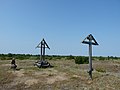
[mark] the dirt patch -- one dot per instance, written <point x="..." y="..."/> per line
<point x="31" y="82"/>
<point x="26" y="81"/>
<point x="59" y="77"/>
<point x="76" y="76"/>
<point x="21" y="78"/>
<point x="19" y="73"/>
<point x="46" y="72"/>
<point x="51" y="75"/>
<point x="6" y="65"/>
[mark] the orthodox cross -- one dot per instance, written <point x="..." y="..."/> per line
<point x="42" y="45"/>
<point x="91" y="41"/>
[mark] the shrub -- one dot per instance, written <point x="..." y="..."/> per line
<point x="101" y="58"/>
<point x="81" y="60"/>
<point x="2" y="58"/>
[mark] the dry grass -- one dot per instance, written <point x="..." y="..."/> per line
<point x="65" y="75"/>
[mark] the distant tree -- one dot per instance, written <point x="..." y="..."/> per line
<point x="10" y="55"/>
<point x="70" y="57"/>
<point x="115" y="57"/>
<point x="108" y="57"/>
<point x="111" y="57"/>
<point x="101" y="58"/>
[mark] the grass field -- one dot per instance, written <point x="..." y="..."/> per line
<point x="65" y="75"/>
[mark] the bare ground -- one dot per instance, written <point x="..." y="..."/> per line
<point x="65" y="75"/>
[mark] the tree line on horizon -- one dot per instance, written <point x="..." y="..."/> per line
<point x="9" y="56"/>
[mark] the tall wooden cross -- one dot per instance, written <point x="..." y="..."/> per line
<point x="42" y="45"/>
<point x="91" y="41"/>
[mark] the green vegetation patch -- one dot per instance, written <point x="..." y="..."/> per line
<point x="81" y="60"/>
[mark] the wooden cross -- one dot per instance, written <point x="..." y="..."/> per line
<point x="91" y="41"/>
<point x="42" y="45"/>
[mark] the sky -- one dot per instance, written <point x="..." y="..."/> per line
<point x="62" y="23"/>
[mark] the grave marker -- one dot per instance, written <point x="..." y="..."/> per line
<point x="91" y="41"/>
<point x="42" y="62"/>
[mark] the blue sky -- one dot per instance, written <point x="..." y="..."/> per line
<point x="63" y="24"/>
